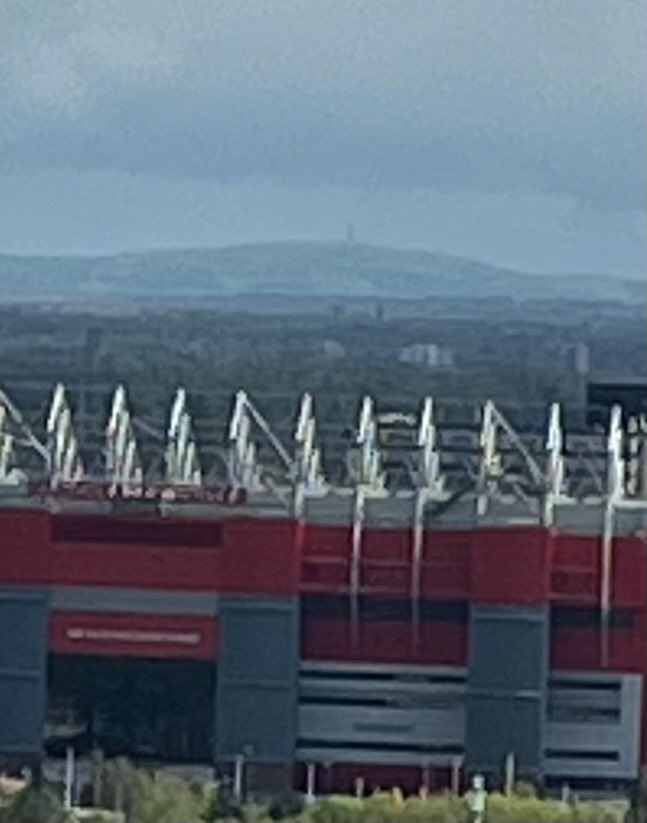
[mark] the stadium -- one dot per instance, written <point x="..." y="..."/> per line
<point x="466" y="591"/>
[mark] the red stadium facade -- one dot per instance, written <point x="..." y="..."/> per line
<point x="401" y="637"/>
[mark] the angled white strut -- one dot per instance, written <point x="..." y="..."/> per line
<point x="308" y="479"/>
<point x="615" y="492"/>
<point x="123" y="466"/>
<point x="181" y="457"/>
<point x="65" y="464"/>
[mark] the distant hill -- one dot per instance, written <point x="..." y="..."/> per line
<point x="295" y="269"/>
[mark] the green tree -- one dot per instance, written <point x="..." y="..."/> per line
<point x="34" y="805"/>
<point x="147" y="797"/>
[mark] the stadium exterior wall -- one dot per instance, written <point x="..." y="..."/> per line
<point x="300" y="635"/>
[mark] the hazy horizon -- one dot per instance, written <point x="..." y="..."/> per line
<point x="323" y="243"/>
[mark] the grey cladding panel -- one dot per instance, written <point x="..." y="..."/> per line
<point x="21" y="714"/>
<point x="134" y="601"/>
<point x="505" y="649"/>
<point x="260" y="721"/>
<point x="260" y="643"/>
<point x="258" y="678"/>
<point x="22" y="631"/>
<point x="23" y="660"/>
<point x="593" y="727"/>
<point x="389" y="714"/>
<point x="506" y="696"/>
<point x="499" y="725"/>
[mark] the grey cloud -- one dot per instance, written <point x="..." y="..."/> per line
<point x="532" y="96"/>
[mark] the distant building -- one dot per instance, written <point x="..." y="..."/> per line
<point x="428" y="355"/>
<point x="333" y="350"/>
<point x="582" y="359"/>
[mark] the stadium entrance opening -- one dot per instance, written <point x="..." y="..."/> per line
<point x="160" y="710"/>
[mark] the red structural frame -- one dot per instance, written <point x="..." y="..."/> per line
<point x="507" y="565"/>
<point x="280" y="557"/>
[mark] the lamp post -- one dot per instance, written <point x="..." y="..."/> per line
<point x="69" y="778"/>
<point x="239" y="775"/>
<point x="311" y="782"/>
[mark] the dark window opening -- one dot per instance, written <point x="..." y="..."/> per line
<point x="372" y="607"/>
<point x="611" y="686"/>
<point x="398" y="701"/>
<point x="146" y="709"/>
<point x="345" y="745"/>
<point x="576" y="754"/>
<point x="583" y="714"/>
<point x="589" y="616"/>
<point x="384" y="676"/>
<point x="158" y="531"/>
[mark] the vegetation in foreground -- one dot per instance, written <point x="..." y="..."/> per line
<point x="131" y="795"/>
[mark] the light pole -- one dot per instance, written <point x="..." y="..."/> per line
<point x="69" y="777"/>
<point x="311" y="782"/>
<point x="239" y="772"/>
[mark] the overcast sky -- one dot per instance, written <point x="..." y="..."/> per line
<point x="509" y="130"/>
